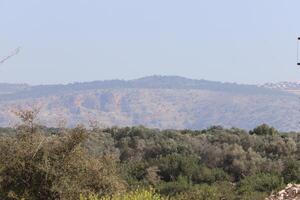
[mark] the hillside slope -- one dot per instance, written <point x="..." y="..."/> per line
<point x="157" y="102"/>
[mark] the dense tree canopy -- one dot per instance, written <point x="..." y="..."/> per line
<point x="48" y="163"/>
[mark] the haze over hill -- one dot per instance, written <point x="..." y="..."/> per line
<point x="167" y="102"/>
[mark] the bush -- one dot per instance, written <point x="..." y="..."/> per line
<point x="260" y="183"/>
<point x="181" y="185"/>
<point x="140" y="194"/>
<point x="291" y="172"/>
<point x="35" y="166"/>
<point x="200" y="192"/>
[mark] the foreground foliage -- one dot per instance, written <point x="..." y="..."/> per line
<point x="99" y="164"/>
<point x="36" y="166"/>
<point x="135" y="195"/>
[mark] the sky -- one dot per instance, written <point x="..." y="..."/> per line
<point x="63" y="41"/>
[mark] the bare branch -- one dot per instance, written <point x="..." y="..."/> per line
<point x="15" y="52"/>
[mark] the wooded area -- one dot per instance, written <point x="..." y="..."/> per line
<point x="216" y="163"/>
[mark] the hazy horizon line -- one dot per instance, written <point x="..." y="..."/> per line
<point x="141" y="77"/>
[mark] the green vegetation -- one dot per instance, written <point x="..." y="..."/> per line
<point x="134" y="195"/>
<point x="123" y="163"/>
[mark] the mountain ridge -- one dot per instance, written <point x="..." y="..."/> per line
<point x="166" y="102"/>
<point x="158" y="82"/>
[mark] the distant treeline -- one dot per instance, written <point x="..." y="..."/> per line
<point x="139" y="163"/>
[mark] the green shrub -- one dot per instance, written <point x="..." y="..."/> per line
<point x="175" y="187"/>
<point x="35" y="166"/>
<point x="140" y="194"/>
<point x="260" y="183"/>
<point x="291" y="172"/>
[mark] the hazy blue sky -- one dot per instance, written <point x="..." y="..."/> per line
<point x="250" y="41"/>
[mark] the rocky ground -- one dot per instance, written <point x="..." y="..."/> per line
<point x="291" y="192"/>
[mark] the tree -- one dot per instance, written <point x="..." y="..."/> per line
<point x="264" y="129"/>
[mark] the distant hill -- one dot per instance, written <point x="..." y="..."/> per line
<point x="168" y="102"/>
